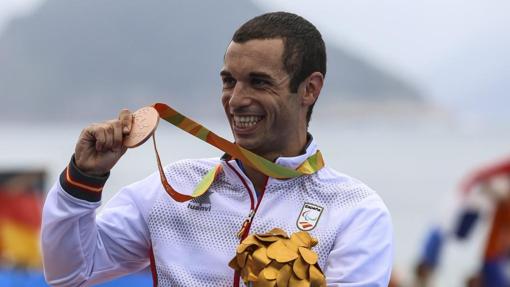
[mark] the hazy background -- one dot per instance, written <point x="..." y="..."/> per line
<point x="415" y="97"/>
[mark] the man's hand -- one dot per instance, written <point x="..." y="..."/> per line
<point x="100" y="145"/>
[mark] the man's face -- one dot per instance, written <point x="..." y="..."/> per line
<point x="264" y="116"/>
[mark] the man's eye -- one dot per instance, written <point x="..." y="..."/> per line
<point x="259" y="83"/>
<point x="228" y="82"/>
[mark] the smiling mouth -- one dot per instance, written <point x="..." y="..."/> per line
<point x="246" y="122"/>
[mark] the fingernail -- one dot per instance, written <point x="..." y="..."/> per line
<point x="126" y="129"/>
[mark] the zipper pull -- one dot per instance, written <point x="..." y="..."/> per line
<point x="246" y="222"/>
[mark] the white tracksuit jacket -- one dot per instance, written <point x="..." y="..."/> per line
<point x="190" y="244"/>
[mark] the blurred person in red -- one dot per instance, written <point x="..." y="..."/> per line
<point x="485" y="198"/>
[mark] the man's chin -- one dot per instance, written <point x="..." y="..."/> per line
<point x="245" y="144"/>
<point x="248" y="144"/>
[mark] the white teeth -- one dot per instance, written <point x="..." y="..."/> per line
<point x="246" y="121"/>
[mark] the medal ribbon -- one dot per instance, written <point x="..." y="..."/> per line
<point x="311" y="165"/>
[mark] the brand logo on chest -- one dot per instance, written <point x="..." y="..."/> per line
<point x="309" y="216"/>
<point x="201" y="203"/>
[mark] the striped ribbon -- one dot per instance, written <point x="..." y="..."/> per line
<point x="311" y="165"/>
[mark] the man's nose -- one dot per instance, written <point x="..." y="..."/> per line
<point x="239" y="97"/>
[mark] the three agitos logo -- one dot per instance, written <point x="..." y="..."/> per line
<point x="309" y="216"/>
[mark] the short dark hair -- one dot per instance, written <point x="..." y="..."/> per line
<point x="304" y="50"/>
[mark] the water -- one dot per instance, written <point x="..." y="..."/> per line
<point x="415" y="170"/>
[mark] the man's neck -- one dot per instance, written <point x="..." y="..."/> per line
<point x="259" y="179"/>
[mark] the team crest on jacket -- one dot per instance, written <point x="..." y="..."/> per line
<point x="309" y="216"/>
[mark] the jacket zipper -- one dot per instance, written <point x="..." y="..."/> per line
<point x="245" y="228"/>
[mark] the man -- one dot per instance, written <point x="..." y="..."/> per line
<point x="485" y="197"/>
<point x="273" y="73"/>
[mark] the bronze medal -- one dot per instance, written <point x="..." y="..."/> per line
<point x="145" y="121"/>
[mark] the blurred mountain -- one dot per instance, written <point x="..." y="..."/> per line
<point x="84" y="60"/>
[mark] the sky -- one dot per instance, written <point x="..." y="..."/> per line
<point x="455" y="51"/>
<point x="10" y="9"/>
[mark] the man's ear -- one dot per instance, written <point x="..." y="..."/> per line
<point x="313" y="88"/>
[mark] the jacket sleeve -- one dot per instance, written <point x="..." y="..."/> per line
<point x="363" y="251"/>
<point x="82" y="249"/>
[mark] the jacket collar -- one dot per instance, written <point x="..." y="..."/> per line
<point x="295" y="161"/>
<point x="290" y="162"/>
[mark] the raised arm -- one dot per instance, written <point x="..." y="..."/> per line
<point x="80" y="249"/>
